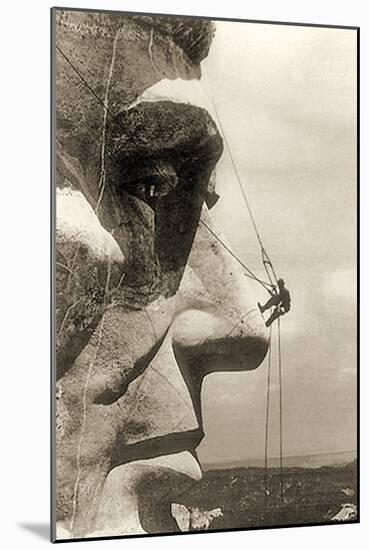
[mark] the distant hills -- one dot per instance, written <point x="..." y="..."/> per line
<point x="316" y="460"/>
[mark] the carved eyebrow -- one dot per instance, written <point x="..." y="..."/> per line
<point x="147" y="170"/>
<point x="161" y="169"/>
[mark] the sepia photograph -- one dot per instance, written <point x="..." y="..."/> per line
<point x="205" y="211"/>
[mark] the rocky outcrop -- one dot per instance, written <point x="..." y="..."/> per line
<point x="348" y="512"/>
<point x="194" y="519"/>
<point x="148" y="301"/>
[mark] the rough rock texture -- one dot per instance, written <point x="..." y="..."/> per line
<point x="128" y="53"/>
<point x="152" y="235"/>
<point x="148" y="302"/>
<point x="194" y="519"/>
<point x="193" y="36"/>
<point x="137" y="496"/>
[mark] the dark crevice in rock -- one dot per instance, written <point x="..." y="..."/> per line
<point x="174" y="442"/>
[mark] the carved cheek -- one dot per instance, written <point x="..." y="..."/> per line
<point x="77" y="222"/>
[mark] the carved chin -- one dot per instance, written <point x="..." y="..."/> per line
<point x="135" y="495"/>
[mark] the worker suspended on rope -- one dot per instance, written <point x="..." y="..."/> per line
<point x="281" y="299"/>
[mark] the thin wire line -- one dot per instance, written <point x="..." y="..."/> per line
<point x="267" y="261"/>
<point x="238" y="177"/>
<point x="84" y="81"/>
<point x="251" y="274"/>
<point x="234" y="166"/>
<point x="239" y="321"/>
<point x="101" y="101"/>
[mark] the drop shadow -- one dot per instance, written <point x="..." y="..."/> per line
<point x="42" y="530"/>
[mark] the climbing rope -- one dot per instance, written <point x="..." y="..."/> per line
<point x="280" y="414"/>
<point x="266" y="494"/>
<point x="268" y="264"/>
<point x="264" y="255"/>
<point x="267" y="420"/>
<point x="249" y="273"/>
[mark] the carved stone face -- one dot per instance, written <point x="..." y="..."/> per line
<point x="148" y="303"/>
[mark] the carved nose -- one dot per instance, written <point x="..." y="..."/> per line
<point x="208" y="342"/>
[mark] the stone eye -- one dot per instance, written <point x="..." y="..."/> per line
<point x="152" y="190"/>
<point x="159" y="188"/>
<point x="152" y="180"/>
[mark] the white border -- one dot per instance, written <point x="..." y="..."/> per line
<point x="24" y="305"/>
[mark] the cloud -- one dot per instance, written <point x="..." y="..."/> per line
<point x="341" y="284"/>
<point x="293" y="95"/>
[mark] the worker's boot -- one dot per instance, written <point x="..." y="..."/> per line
<point x="276" y="313"/>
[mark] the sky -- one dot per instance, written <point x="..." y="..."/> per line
<point x="286" y="99"/>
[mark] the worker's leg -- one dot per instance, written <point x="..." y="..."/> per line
<point x="276" y="313"/>
<point x="273" y="301"/>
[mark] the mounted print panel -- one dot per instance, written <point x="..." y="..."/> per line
<point x="205" y="195"/>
